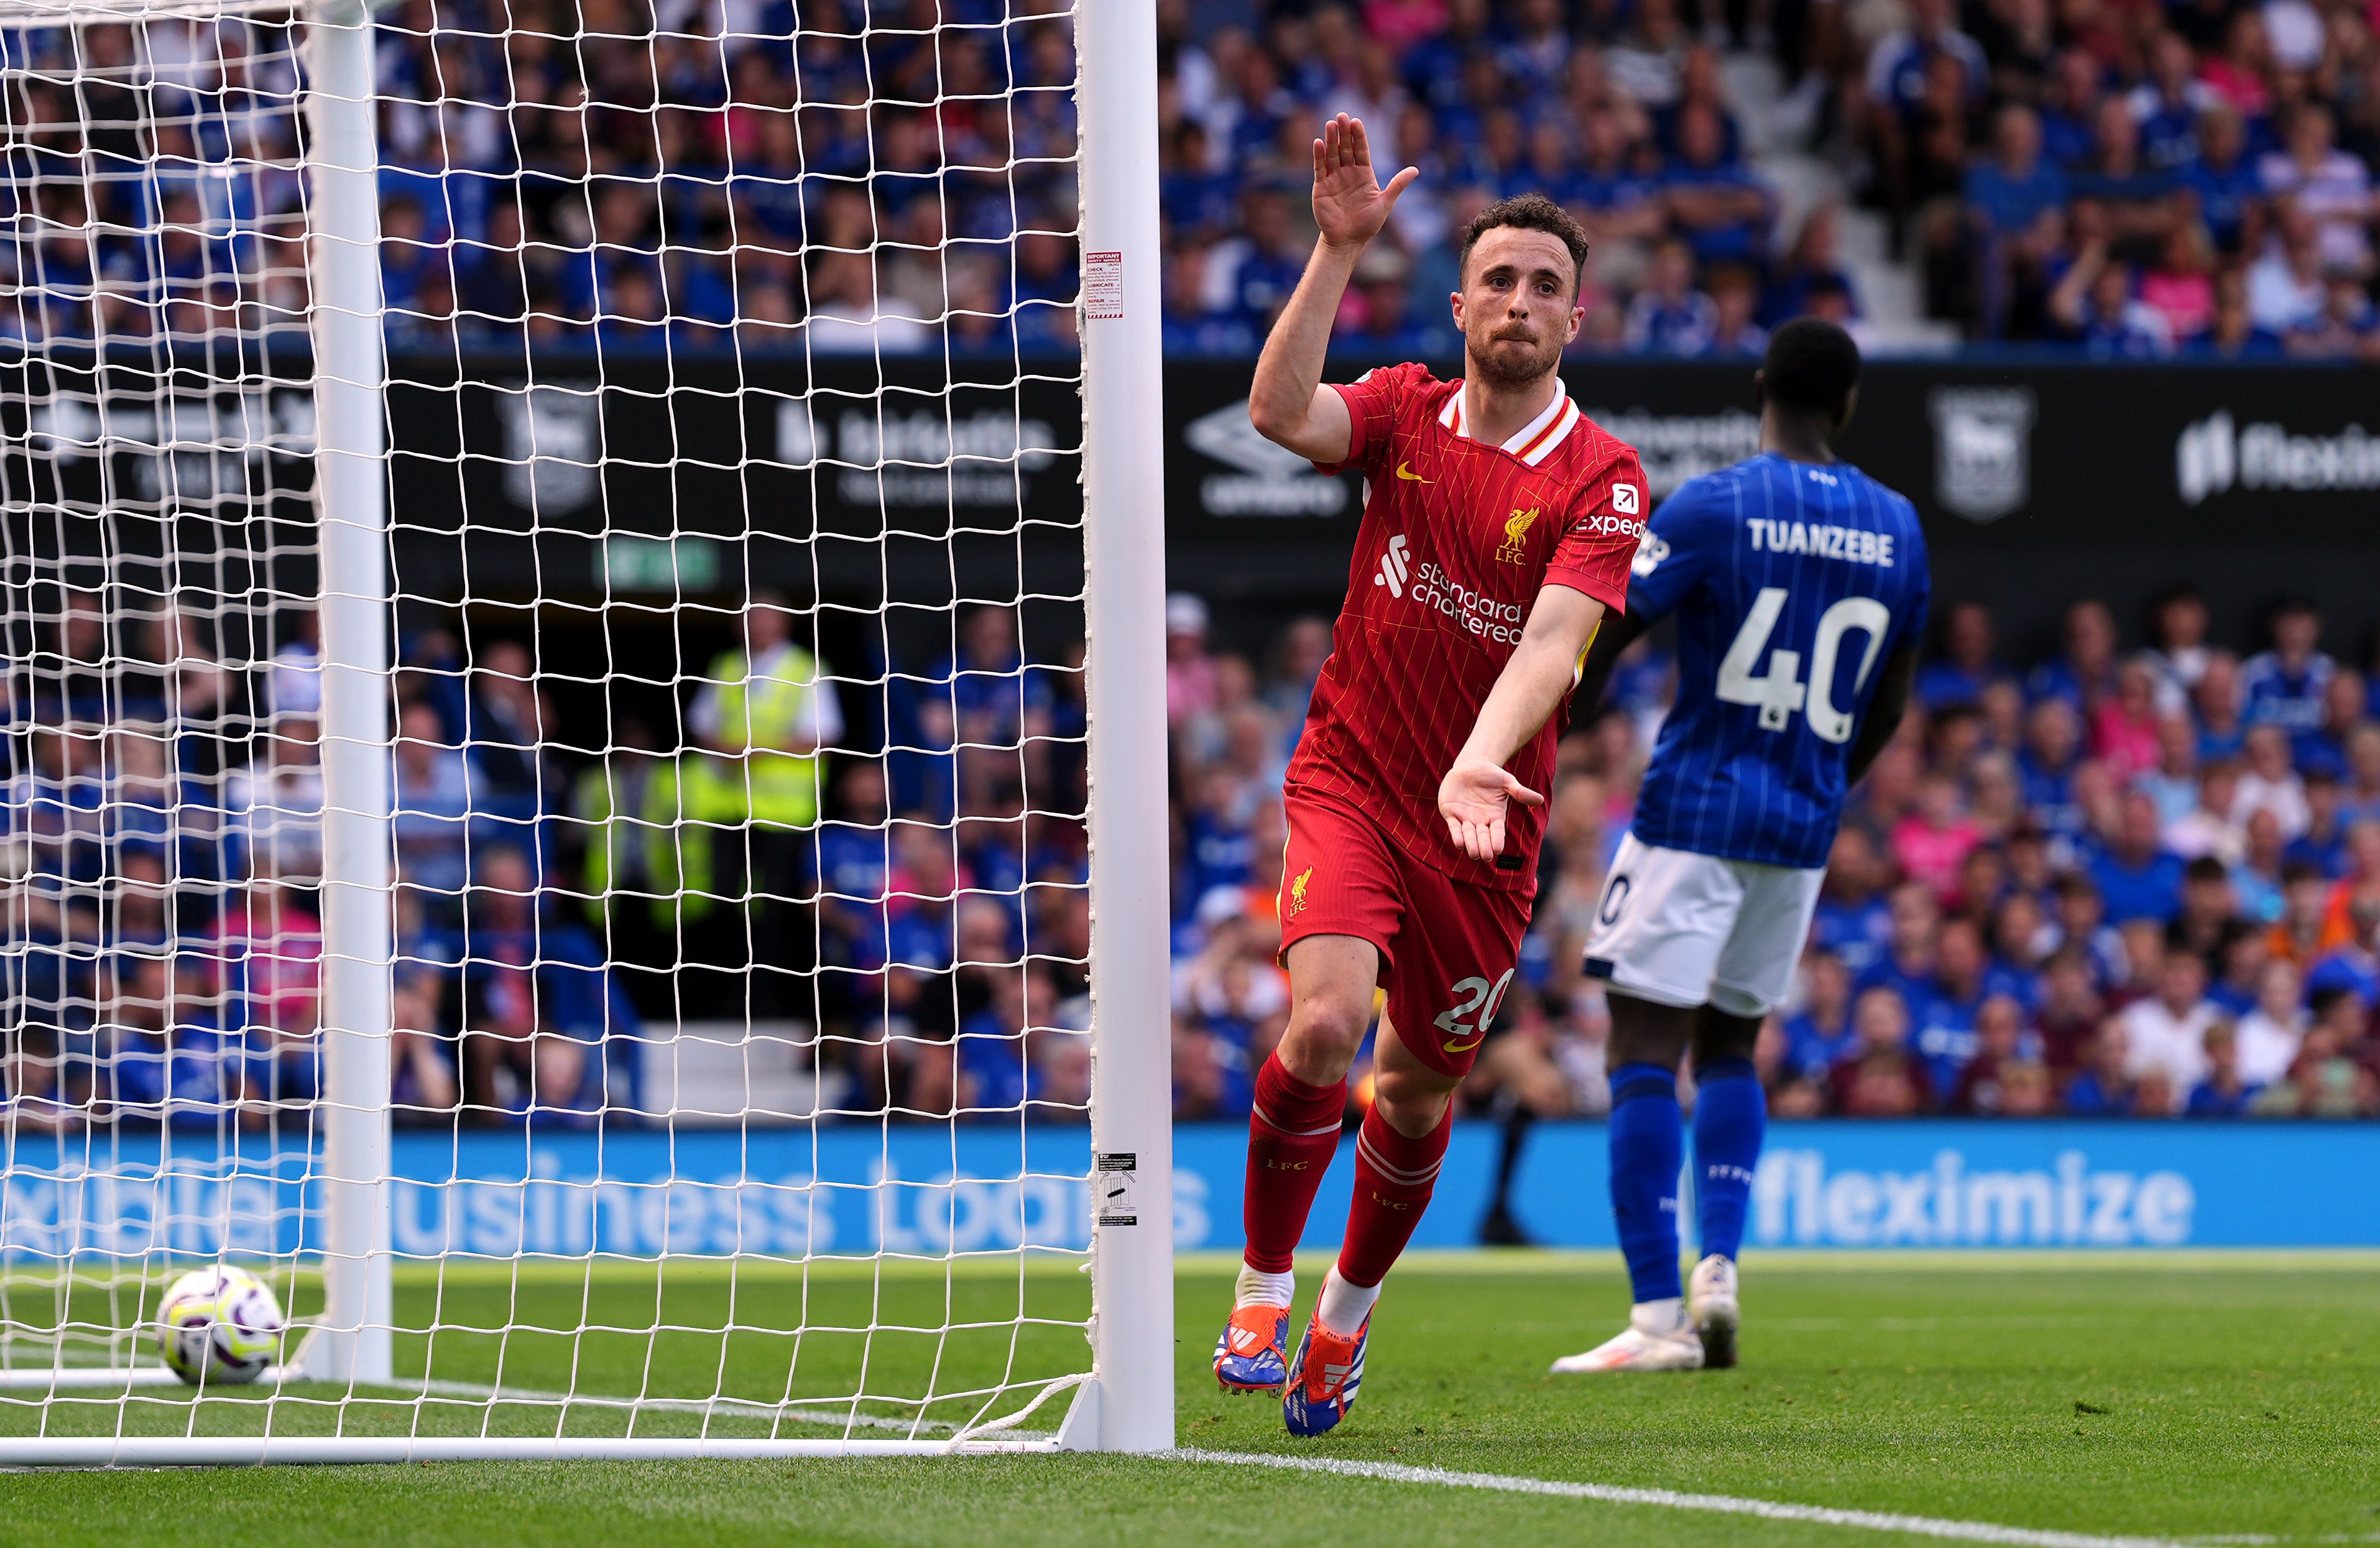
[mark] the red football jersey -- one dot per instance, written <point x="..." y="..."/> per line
<point x="1458" y="536"/>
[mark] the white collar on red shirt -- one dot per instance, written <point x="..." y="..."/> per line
<point x="1534" y="441"/>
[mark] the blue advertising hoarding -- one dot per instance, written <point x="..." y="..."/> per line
<point x="1916" y="1183"/>
<point x="793" y="1192"/>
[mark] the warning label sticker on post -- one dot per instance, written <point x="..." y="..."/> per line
<point x="1112" y="1188"/>
<point x="1103" y="286"/>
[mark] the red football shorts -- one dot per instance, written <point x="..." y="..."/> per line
<point x="1447" y="949"/>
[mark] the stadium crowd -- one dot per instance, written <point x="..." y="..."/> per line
<point x="2145" y="179"/>
<point x="610" y="174"/>
<point x="165" y="818"/>
<point x="2137" y="179"/>
<point x="921" y="944"/>
<point x="2111" y="883"/>
<point x="1622" y="114"/>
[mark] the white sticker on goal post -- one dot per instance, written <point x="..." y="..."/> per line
<point x="1117" y="1172"/>
<point x="1103" y="286"/>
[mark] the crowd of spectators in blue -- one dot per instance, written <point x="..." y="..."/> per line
<point x="610" y="173"/>
<point x="1621" y="112"/>
<point x="2112" y="882"/>
<point x="919" y="945"/>
<point x="2147" y="179"/>
<point x="165" y="818"/>
<point x="2135" y="177"/>
<point x="2107" y="882"/>
<point x="2088" y="877"/>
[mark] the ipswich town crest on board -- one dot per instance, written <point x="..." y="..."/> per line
<point x="1983" y="444"/>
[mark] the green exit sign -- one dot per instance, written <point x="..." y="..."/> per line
<point x="658" y="563"/>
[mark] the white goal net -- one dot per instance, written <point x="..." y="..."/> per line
<point x="564" y="610"/>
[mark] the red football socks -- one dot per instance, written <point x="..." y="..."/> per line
<point x="1394" y="1177"/>
<point x="1291" y="1136"/>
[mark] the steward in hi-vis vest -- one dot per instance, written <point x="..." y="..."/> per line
<point x="762" y="719"/>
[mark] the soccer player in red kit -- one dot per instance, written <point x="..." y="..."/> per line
<point x="1498" y="524"/>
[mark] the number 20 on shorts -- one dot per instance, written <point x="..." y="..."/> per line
<point x="1472" y="1012"/>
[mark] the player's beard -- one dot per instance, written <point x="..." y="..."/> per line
<point x="1511" y="370"/>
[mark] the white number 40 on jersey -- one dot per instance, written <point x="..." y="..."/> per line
<point x="1778" y="691"/>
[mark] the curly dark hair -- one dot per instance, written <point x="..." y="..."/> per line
<point x="1529" y="212"/>
<point x="1811" y="364"/>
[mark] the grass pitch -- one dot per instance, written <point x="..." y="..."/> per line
<point x="2183" y="1399"/>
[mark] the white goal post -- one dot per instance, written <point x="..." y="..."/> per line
<point x="270" y="512"/>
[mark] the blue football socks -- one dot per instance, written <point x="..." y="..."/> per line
<point x="1731" y="1116"/>
<point x="1647" y="1143"/>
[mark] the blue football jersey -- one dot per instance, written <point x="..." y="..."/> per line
<point x="1793" y="583"/>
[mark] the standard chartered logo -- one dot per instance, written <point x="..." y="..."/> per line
<point x="2213" y="455"/>
<point x="1471" y="609"/>
<point x="1488" y="617"/>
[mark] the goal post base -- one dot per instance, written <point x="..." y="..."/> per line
<point x="106" y="1377"/>
<point x="1079" y="1430"/>
<point x="234" y="1451"/>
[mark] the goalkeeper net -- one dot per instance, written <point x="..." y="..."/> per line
<point x="549" y="728"/>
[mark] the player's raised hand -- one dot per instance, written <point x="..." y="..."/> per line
<point x="1350" y="206"/>
<point x="1473" y="798"/>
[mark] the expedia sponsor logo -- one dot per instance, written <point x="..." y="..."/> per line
<point x="2215" y="456"/>
<point x="1983" y="449"/>
<point x="1604" y="524"/>
<point x="1271" y="481"/>
<point x="1676" y="447"/>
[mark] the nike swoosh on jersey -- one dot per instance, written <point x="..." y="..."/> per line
<point x="1404" y="470"/>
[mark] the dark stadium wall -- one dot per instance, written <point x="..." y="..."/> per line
<point x="858" y="484"/>
<point x="2039" y="483"/>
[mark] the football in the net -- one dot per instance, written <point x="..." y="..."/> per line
<point x="218" y="1325"/>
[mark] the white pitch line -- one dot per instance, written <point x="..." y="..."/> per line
<point x="1728" y="1504"/>
<point x="710" y="1408"/>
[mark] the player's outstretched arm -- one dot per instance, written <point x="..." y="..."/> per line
<point x="1477" y="791"/>
<point x="1594" y="669"/>
<point x="1287" y="401"/>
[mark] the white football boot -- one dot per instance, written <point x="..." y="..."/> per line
<point x="1660" y="1337"/>
<point x="1711" y="1303"/>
